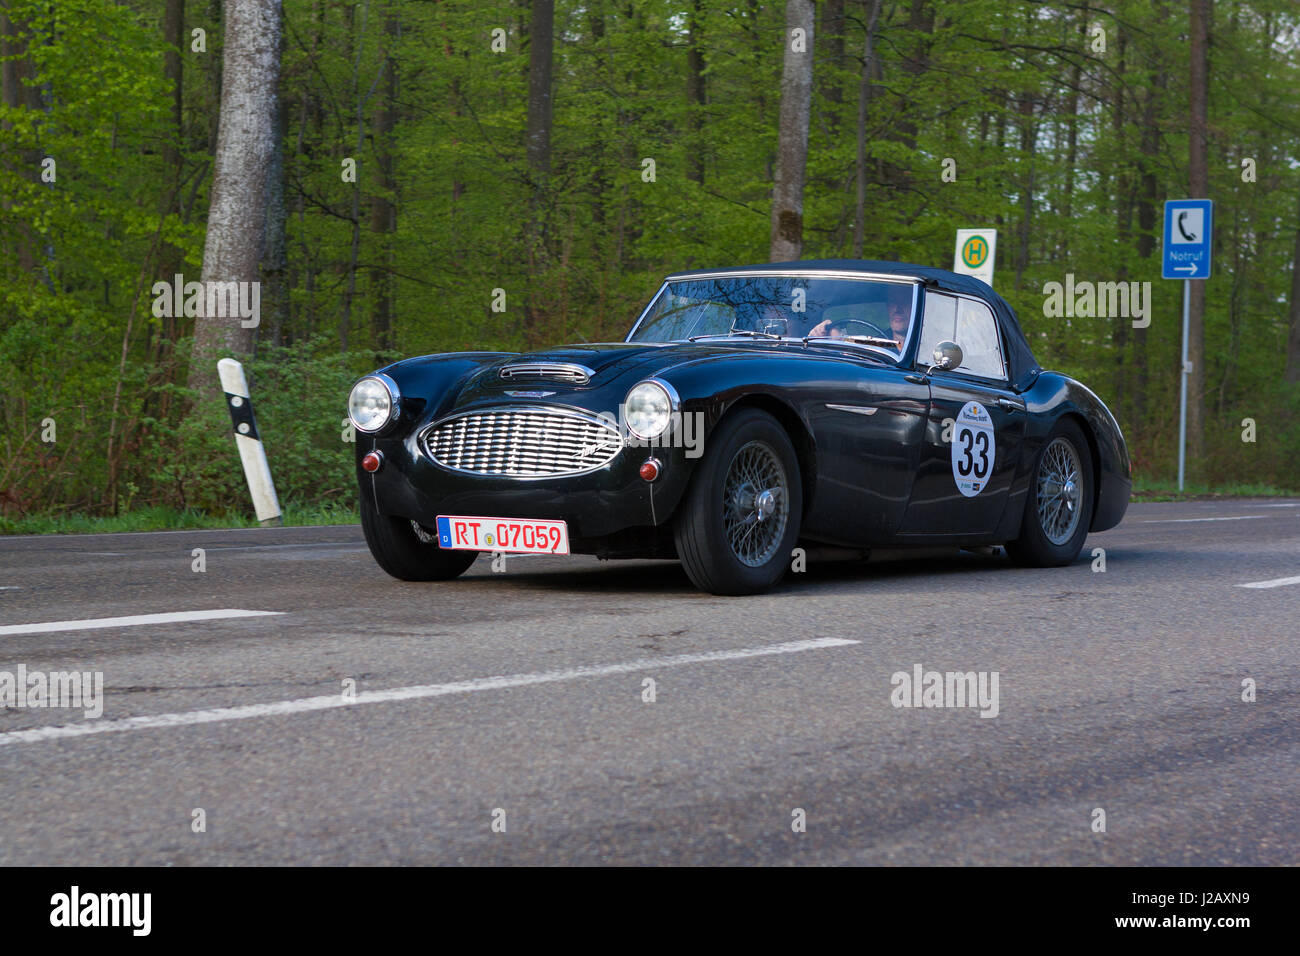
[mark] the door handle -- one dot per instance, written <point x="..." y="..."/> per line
<point x="1011" y="405"/>
<point x="915" y="378"/>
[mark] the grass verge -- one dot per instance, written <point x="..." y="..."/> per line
<point x="1145" y="489"/>
<point x="169" y="519"/>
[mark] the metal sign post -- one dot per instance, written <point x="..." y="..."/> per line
<point x="1189" y="231"/>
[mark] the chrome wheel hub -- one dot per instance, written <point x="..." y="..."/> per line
<point x="1060" y="491"/>
<point x="755" y="504"/>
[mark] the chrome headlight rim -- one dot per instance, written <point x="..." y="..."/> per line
<point x="394" y="402"/>
<point x="674" y="407"/>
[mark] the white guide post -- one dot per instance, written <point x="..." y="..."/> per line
<point x="249" y="442"/>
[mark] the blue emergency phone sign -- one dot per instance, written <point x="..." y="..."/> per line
<point x="1189" y="229"/>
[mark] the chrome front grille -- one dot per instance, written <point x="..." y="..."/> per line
<point x="523" y="443"/>
<point x="554" y="371"/>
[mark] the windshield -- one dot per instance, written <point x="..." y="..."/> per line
<point x="872" y="312"/>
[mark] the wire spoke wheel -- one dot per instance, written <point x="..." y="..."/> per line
<point x="755" y="504"/>
<point x="1060" y="491"/>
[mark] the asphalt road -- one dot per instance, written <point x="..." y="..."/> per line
<point x="1119" y="691"/>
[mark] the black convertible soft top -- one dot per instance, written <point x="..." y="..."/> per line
<point x="1021" y="363"/>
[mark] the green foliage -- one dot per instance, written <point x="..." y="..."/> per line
<point x="1068" y="149"/>
<point x="159" y="518"/>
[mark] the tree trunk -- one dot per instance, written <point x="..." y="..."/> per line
<point x="275" y="257"/>
<point x="174" y="38"/>
<point x="832" y="33"/>
<point x="1123" y="230"/>
<point x="245" y="148"/>
<point x="864" y="99"/>
<point x="15" y="68"/>
<point x="1071" y="148"/>
<point x="383" y="212"/>
<point x="162" y="349"/>
<point x="1147" y="225"/>
<point x="792" y="147"/>
<point x="1293" y="342"/>
<point x="695" y="97"/>
<point x="1199" y="181"/>
<point x="916" y="61"/>
<point x="1029" y="151"/>
<point x="541" y="41"/>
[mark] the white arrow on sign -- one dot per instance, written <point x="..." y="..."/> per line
<point x="1184" y="268"/>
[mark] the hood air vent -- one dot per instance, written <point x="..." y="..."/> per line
<point x="551" y="371"/>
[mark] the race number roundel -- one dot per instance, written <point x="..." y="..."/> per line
<point x="973" y="449"/>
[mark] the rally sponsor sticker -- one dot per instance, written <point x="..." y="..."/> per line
<point x="973" y="449"/>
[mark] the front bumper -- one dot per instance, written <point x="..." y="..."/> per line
<point x="594" y="505"/>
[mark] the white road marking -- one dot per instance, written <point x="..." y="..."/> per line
<point x="174" y="617"/>
<point x="1189" y="520"/>
<point x="1274" y="583"/>
<point x="336" y="701"/>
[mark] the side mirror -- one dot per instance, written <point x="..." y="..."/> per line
<point x="947" y="355"/>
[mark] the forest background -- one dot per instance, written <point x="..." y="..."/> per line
<point x="441" y="176"/>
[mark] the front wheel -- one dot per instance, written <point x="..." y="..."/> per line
<point x="740" y="518"/>
<point x="407" y="550"/>
<point x="1059" y="508"/>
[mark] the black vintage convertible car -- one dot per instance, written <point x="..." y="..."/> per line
<point x="749" y="411"/>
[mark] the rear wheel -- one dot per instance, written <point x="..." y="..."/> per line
<point x="740" y="518"/>
<point x="1059" y="508"/>
<point x="406" y="549"/>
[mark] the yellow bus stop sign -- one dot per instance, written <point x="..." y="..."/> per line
<point x="975" y="253"/>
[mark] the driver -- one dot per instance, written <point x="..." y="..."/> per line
<point x="898" y="306"/>
<point x="900" y="313"/>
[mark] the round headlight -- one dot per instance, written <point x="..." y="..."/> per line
<point x="648" y="409"/>
<point x="372" y="404"/>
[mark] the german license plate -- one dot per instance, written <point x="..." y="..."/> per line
<point x="513" y="535"/>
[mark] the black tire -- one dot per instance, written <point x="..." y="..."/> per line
<point x="1050" y="536"/>
<point x="399" y="551"/>
<point x="751" y="565"/>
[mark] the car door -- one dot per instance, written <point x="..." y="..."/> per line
<point x="868" y="429"/>
<point x="975" y="427"/>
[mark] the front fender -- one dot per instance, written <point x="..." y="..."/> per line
<point x="1054" y="396"/>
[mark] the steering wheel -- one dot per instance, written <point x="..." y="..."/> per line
<point x="876" y="330"/>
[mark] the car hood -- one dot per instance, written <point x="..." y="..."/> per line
<point x="570" y="371"/>
<point x="594" y="376"/>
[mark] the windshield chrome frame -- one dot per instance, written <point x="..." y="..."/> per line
<point x="897" y="359"/>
